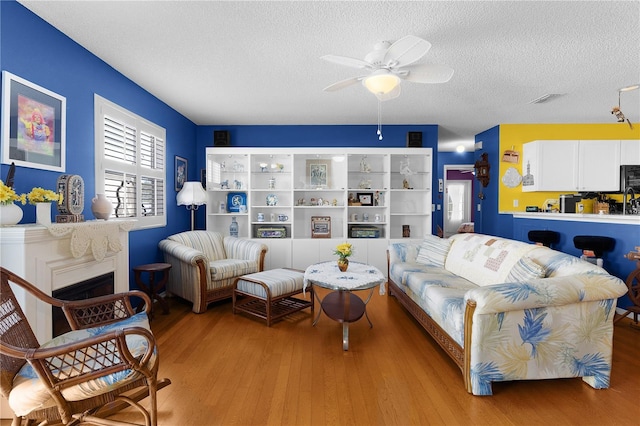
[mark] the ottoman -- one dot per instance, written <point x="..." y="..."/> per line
<point x="269" y="294"/>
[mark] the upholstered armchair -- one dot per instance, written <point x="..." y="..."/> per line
<point x="108" y="361"/>
<point x="205" y="265"/>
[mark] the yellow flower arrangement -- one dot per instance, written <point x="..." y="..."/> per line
<point x="40" y="195"/>
<point x="9" y="196"/>
<point x="343" y="250"/>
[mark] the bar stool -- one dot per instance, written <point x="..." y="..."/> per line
<point x="593" y="247"/>
<point x="545" y="238"/>
<point x="153" y="288"/>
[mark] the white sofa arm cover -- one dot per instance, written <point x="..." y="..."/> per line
<point x="538" y="293"/>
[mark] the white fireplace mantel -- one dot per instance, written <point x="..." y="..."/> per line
<point x="52" y="258"/>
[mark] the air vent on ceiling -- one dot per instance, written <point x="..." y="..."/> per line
<point x="546" y="98"/>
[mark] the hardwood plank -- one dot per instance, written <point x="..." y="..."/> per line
<point x="233" y="370"/>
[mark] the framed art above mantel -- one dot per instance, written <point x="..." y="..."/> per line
<point x="33" y="125"/>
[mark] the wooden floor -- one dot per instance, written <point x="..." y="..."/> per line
<point x="232" y="370"/>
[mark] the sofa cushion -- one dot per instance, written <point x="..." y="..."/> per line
<point x="526" y="269"/>
<point x="558" y="264"/>
<point x="484" y="259"/>
<point x="230" y="268"/>
<point x="398" y="272"/>
<point x="433" y="250"/>
<point x="209" y="243"/>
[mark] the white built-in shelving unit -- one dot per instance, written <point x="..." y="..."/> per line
<point x="372" y="193"/>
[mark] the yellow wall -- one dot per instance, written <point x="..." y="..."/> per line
<point x="512" y="136"/>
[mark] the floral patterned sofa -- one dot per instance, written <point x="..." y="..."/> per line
<point x="507" y="310"/>
<point x="205" y="265"/>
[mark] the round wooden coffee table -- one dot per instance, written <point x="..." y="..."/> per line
<point x="341" y="304"/>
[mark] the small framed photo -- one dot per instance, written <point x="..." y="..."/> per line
<point x="181" y="172"/>
<point x="33" y="125"/>
<point x="320" y="226"/>
<point x="365" y="198"/>
<point x="203" y="178"/>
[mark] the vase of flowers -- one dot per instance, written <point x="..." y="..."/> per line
<point x="10" y="213"/>
<point x="42" y="199"/>
<point x="343" y="251"/>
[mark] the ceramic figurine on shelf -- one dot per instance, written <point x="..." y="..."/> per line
<point x="224" y="184"/>
<point x="364" y="166"/>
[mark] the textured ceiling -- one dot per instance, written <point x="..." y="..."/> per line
<point x="240" y="62"/>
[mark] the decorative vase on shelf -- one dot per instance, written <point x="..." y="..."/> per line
<point x="101" y="207"/>
<point x="343" y="264"/>
<point x="10" y="214"/>
<point x="43" y="213"/>
<point x="233" y="228"/>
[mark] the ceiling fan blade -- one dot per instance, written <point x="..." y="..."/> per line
<point x="342" y="84"/>
<point x="406" y="51"/>
<point x="428" y="73"/>
<point x="391" y="95"/>
<point x="346" y="61"/>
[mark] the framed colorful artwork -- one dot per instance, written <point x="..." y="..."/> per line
<point x="33" y="125"/>
<point x="181" y="172"/>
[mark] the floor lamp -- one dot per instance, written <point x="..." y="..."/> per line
<point x="193" y="196"/>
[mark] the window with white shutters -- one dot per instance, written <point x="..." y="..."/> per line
<point x="130" y="164"/>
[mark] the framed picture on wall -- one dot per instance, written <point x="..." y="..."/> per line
<point x="181" y="172"/>
<point x="33" y="125"/>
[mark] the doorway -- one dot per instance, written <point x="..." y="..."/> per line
<point x="458" y="197"/>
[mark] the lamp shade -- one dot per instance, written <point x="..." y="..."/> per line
<point x="192" y="194"/>
<point x="381" y="82"/>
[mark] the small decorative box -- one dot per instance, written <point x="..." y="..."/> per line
<point x="272" y="232"/>
<point x="364" y="232"/>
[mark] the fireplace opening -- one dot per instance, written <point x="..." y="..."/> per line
<point x="93" y="287"/>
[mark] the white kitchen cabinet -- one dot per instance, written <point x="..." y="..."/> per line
<point x="598" y="165"/>
<point x="630" y="152"/>
<point x="571" y="165"/>
<point x="550" y="165"/>
<point x="283" y="189"/>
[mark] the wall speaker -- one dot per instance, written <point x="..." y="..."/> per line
<point x="221" y="138"/>
<point x="414" y="139"/>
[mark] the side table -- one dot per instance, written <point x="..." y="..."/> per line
<point x="153" y="288"/>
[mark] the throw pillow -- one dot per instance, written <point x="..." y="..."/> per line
<point x="433" y="251"/>
<point x="525" y="270"/>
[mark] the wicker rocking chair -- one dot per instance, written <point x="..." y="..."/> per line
<point x="109" y="360"/>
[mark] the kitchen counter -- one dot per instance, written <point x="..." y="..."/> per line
<point x="579" y="217"/>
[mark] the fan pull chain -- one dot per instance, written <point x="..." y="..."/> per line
<point x="379" y="132"/>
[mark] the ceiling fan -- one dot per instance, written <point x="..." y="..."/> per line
<point x="388" y="64"/>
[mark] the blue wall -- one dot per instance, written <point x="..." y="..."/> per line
<point x="395" y="136"/>
<point x="32" y="49"/>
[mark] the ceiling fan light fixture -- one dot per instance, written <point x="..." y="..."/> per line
<point x="381" y="82"/>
